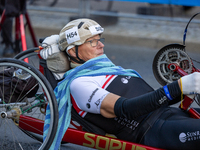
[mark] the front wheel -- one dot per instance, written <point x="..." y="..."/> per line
<point x="24" y="96"/>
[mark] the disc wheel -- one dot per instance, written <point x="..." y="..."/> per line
<point x="173" y="53"/>
<point x="22" y="106"/>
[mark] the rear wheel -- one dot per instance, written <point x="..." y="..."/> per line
<point x="24" y="95"/>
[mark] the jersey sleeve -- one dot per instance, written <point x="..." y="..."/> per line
<point x="87" y="94"/>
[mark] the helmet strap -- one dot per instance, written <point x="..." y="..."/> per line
<point x="79" y="61"/>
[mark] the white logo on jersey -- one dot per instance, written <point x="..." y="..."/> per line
<point x="90" y="99"/>
<point x="125" y="80"/>
<point x="183" y="137"/>
<point x="189" y="136"/>
<point x="162" y="100"/>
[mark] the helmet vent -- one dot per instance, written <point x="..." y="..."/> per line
<point x="86" y="26"/>
<point x="80" y="24"/>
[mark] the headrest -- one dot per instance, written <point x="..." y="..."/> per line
<point x="58" y="62"/>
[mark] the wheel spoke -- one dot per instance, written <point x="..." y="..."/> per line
<point x="25" y="98"/>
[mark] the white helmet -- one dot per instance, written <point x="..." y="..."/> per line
<point x="77" y="32"/>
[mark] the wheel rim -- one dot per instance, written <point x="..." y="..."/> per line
<point x="15" y="114"/>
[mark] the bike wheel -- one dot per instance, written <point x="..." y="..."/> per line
<point x="30" y="56"/>
<point x="173" y="53"/>
<point x="24" y="108"/>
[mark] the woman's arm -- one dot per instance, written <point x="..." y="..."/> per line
<point x="114" y="105"/>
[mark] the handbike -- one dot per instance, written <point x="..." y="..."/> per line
<point x="83" y="132"/>
<point x="26" y="114"/>
<point x="170" y="64"/>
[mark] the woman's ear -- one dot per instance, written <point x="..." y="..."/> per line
<point x="72" y="52"/>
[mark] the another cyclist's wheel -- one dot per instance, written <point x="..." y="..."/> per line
<point x="173" y="53"/>
<point x="24" y="96"/>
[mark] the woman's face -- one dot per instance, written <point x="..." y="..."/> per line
<point x="86" y="51"/>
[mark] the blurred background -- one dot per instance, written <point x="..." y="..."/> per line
<point x="161" y="19"/>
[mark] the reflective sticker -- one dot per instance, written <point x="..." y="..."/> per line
<point x="97" y="29"/>
<point x="72" y="35"/>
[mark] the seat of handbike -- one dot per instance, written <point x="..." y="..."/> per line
<point x="86" y="126"/>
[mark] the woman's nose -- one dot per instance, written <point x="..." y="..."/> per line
<point x="100" y="44"/>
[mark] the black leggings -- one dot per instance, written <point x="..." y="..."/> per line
<point x="174" y="130"/>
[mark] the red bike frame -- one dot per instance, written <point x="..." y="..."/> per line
<point x="186" y="103"/>
<point x="83" y="138"/>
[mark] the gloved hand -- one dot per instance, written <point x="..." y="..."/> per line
<point x="50" y="45"/>
<point x="190" y="84"/>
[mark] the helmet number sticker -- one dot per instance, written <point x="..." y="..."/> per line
<point x="72" y="35"/>
<point x="97" y="29"/>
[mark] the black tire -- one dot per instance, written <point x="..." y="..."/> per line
<point x="167" y="55"/>
<point x="27" y="53"/>
<point x="32" y="56"/>
<point x="13" y="110"/>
